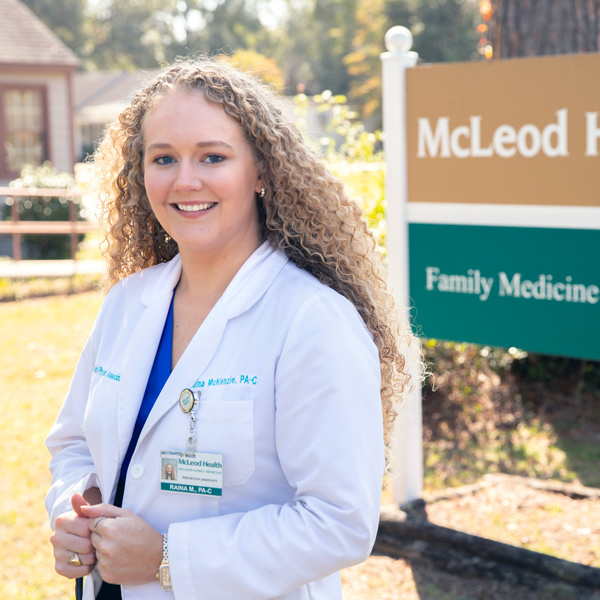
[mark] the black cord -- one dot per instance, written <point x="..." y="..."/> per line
<point x="79" y="588"/>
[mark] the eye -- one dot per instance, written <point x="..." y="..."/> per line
<point x="214" y="159"/>
<point x="164" y="160"/>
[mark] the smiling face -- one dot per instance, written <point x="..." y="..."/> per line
<point x="200" y="177"/>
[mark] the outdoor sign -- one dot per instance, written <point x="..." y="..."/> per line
<point x="504" y="202"/>
<point x="532" y="288"/>
<point x="493" y="209"/>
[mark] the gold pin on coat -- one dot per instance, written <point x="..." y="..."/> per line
<point x="188" y="400"/>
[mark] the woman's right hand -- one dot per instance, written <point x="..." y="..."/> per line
<point x="72" y="535"/>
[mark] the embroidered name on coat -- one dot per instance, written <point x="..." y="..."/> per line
<point x="108" y="374"/>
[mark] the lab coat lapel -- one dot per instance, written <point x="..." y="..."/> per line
<point x="141" y="350"/>
<point x="191" y="365"/>
<point x="248" y="285"/>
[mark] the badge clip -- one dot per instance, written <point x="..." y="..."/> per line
<point x="188" y="402"/>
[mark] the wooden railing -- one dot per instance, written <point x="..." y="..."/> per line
<point x="17" y="228"/>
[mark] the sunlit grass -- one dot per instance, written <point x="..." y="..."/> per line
<point x="41" y="341"/>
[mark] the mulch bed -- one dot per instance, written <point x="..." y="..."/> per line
<point x="556" y="519"/>
<point x="552" y="518"/>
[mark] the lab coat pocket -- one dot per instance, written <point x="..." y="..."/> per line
<point x="227" y="428"/>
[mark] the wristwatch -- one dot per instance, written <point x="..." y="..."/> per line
<point x="164" y="575"/>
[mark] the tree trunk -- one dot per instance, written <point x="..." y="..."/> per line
<point x="542" y="27"/>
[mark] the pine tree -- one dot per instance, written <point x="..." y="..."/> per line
<point x="543" y="27"/>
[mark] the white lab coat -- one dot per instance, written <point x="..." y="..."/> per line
<point x="290" y="396"/>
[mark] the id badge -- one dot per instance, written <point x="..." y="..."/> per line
<point x="191" y="472"/>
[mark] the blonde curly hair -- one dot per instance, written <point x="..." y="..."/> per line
<point x="305" y="211"/>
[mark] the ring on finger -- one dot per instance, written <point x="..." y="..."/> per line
<point x="75" y="561"/>
<point x="96" y="524"/>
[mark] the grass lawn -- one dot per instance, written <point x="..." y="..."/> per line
<point x="41" y="342"/>
<point x="42" y="339"/>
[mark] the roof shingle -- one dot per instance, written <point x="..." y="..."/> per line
<point x="25" y="40"/>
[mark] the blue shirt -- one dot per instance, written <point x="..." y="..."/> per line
<point x="161" y="369"/>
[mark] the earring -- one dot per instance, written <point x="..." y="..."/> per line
<point x="262" y="193"/>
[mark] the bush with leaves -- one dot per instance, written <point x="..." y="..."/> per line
<point x="352" y="152"/>
<point x="47" y="208"/>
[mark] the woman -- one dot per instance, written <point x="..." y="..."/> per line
<point x="169" y="472"/>
<point x="245" y="284"/>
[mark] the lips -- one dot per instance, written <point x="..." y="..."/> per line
<point x="195" y="207"/>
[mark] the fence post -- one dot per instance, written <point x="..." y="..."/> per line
<point x="16" y="236"/>
<point x="73" y="219"/>
<point x="407" y="442"/>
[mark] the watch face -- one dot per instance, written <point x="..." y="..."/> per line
<point x="164" y="577"/>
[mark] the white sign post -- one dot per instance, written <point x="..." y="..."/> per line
<point x="407" y="443"/>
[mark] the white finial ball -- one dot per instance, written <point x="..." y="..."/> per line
<point x="398" y="39"/>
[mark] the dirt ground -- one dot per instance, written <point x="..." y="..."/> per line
<point x="386" y="578"/>
<point x="506" y="510"/>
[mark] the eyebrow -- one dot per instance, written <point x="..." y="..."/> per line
<point x="166" y="145"/>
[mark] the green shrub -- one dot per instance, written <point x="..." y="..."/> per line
<point x="34" y="208"/>
<point x="353" y="154"/>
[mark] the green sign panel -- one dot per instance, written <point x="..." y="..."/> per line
<point x="537" y="289"/>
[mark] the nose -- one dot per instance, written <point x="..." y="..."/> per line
<point x="188" y="177"/>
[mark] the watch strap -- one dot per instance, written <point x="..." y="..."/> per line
<point x="164" y="574"/>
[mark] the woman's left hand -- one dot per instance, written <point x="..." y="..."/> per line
<point x="128" y="550"/>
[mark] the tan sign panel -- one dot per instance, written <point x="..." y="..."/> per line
<point x="520" y="131"/>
